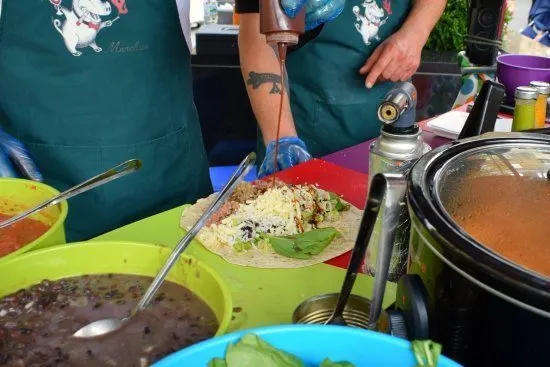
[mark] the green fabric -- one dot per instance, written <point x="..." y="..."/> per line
<point x="331" y="106"/>
<point x="80" y="115"/>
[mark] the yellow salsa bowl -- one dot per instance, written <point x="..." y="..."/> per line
<point x="18" y="195"/>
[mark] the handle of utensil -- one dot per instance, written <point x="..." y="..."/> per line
<point x="366" y="228"/>
<point x="483" y="117"/>
<point x="228" y="189"/>
<point x="101" y="179"/>
<point x="386" y="194"/>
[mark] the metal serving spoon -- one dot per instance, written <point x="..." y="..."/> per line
<point x="106" y="326"/>
<point x="112" y="174"/>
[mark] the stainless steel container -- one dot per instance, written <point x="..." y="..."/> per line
<point x="399" y="146"/>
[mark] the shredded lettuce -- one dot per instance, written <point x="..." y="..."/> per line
<point x="337" y="202"/>
<point x="426" y="352"/>
<point x="328" y="363"/>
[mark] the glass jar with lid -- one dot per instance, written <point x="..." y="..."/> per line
<point x="524" y="112"/>
<point x="540" y="107"/>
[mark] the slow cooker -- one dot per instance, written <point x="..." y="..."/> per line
<point x="478" y="278"/>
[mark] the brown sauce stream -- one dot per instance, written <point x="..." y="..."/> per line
<point x="281" y="48"/>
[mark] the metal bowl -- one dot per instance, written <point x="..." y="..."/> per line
<point x="317" y="310"/>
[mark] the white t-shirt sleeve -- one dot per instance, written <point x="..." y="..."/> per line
<point x="184" y="7"/>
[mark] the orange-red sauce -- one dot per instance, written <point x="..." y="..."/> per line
<point x="15" y="236"/>
<point x="508" y="214"/>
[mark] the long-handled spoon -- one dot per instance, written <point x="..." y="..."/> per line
<point x="112" y="174"/>
<point x="106" y="326"/>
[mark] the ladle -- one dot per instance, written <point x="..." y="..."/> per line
<point x="102" y="327"/>
<point x="112" y="174"/>
<point x="385" y="194"/>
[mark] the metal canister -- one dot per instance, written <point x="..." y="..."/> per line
<point x="399" y="146"/>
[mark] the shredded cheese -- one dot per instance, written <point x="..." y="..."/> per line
<point x="280" y="211"/>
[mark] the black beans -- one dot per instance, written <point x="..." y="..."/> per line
<point x="38" y="329"/>
<point x="160" y="297"/>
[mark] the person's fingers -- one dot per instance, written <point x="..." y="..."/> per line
<point x="323" y="11"/>
<point x="296" y="156"/>
<point x="293" y="7"/>
<point x="408" y="72"/>
<point x="378" y="68"/>
<point x="406" y="75"/>
<point x="20" y="156"/>
<point x="266" y="168"/>
<point x="6" y="168"/>
<point x="371" y="60"/>
<point x="392" y="72"/>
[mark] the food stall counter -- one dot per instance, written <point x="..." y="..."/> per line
<point x="261" y="297"/>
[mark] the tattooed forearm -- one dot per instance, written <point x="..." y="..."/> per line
<point x="257" y="79"/>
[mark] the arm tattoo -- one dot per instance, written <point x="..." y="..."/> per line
<point x="257" y="79"/>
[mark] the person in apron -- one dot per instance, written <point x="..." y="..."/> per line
<point x="338" y="75"/>
<point x="539" y="22"/>
<point x="88" y="84"/>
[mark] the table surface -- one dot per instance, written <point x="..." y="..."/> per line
<point x="264" y="296"/>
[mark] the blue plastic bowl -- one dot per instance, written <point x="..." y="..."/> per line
<point x="311" y="343"/>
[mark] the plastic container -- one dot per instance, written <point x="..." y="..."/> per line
<point x="18" y="195"/>
<point x="122" y="258"/>
<point x="524" y="111"/>
<point x="312" y="343"/>
<point x="225" y="14"/>
<point x="517" y="70"/>
<point x="210" y="11"/>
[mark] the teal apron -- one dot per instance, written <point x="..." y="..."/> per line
<point x="331" y="106"/>
<point x="88" y="87"/>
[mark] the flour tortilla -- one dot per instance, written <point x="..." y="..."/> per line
<point x="347" y="225"/>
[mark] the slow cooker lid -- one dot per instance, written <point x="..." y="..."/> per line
<point x="499" y="196"/>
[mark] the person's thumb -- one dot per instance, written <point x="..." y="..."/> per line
<point x="293" y="7"/>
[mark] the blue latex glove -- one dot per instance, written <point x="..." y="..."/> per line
<point x="292" y="151"/>
<point x="317" y="11"/>
<point x="12" y="150"/>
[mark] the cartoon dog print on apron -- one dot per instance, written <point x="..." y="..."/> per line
<point x="373" y="17"/>
<point x="83" y="21"/>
